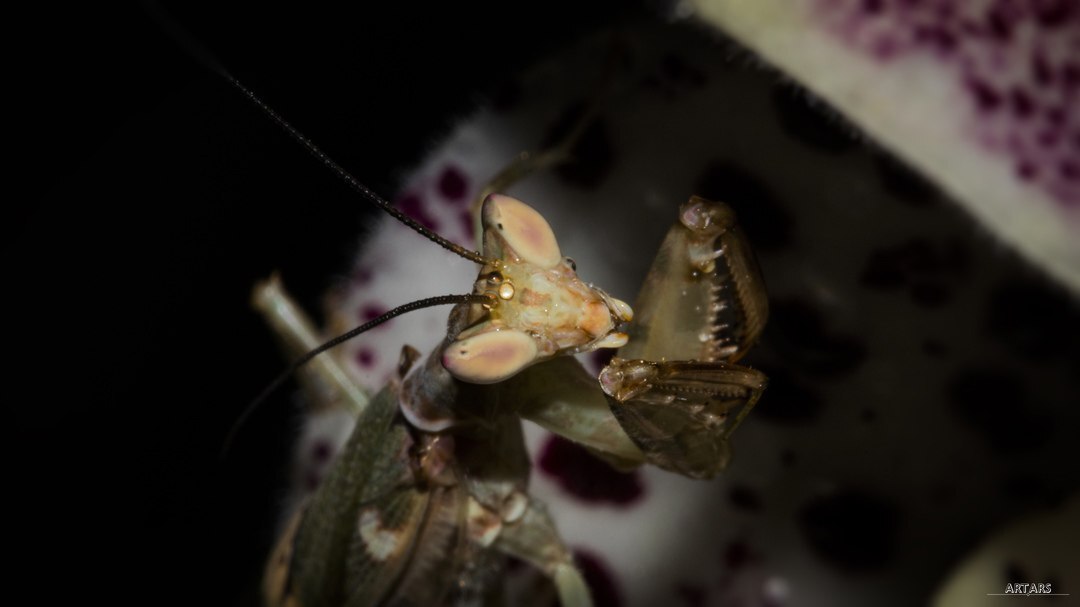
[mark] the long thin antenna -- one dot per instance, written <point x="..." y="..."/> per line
<point x="429" y="302"/>
<point x="201" y="54"/>
<point x="352" y="181"/>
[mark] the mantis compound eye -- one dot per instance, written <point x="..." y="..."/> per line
<point x="490" y="357"/>
<point x="522" y="229"/>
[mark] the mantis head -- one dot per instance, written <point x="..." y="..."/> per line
<point x="543" y="308"/>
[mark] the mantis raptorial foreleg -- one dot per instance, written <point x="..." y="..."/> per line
<point x="703" y="305"/>
<point x="668" y="394"/>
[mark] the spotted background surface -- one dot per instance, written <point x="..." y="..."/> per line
<point x="1019" y="62"/>
<point x="922" y="378"/>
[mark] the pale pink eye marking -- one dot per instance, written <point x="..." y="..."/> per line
<point x="524" y="229"/>
<point x="490" y="357"/>
<point x="531" y="235"/>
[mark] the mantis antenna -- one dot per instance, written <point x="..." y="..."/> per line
<point x="200" y="53"/>
<point x="352" y="181"/>
<point x="429" y="302"/>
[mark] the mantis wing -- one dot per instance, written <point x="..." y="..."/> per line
<point x="370" y="529"/>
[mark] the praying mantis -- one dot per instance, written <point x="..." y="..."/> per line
<point x="430" y="494"/>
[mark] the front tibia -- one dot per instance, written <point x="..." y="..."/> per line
<point x="675" y="388"/>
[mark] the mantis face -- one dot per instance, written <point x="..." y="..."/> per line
<point x="543" y="308"/>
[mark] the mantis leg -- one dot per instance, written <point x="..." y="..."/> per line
<point x="675" y="384"/>
<point x="674" y="394"/>
<point x="532" y="537"/>
<point x="678" y="412"/>
<point x="562" y="397"/>
<point x="678" y="415"/>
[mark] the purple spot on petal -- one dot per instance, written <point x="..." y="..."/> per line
<point x="467" y="226"/>
<point x="999" y="25"/>
<point x="1048" y="138"/>
<point x="937" y="37"/>
<point x="1055" y="115"/>
<point x="365" y="357"/>
<point x="452" y="183"/>
<point x="1070" y="75"/>
<point x="1041" y="68"/>
<point x="972" y="29"/>
<point x="1054" y="13"/>
<point x="885" y="47"/>
<point x="601" y="582"/>
<point x="872" y="7"/>
<point x="1069" y="171"/>
<point x="311" y="481"/>
<point x="986" y="98"/>
<point x="1013" y="58"/>
<point x="586" y="476"/>
<point x="413" y="206"/>
<point x="321" y="451"/>
<point x="362" y="276"/>
<point x="1022" y="104"/>
<point x="370" y="312"/>
<point x="1026" y="171"/>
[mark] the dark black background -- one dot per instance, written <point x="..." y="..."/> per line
<point x="147" y="198"/>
